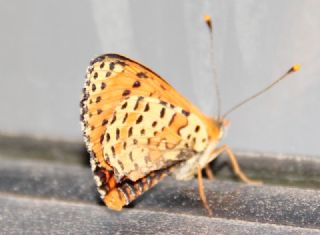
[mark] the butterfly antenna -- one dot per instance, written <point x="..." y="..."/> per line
<point x="293" y="69"/>
<point x="208" y="21"/>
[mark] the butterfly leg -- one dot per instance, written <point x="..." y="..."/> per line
<point x="236" y="168"/>
<point x="202" y="192"/>
<point x="209" y="172"/>
<point x="235" y="165"/>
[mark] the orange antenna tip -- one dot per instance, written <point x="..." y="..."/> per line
<point x="294" y="68"/>
<point x="207" y="19"/>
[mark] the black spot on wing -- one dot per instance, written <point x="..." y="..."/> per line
<point x="146" y="109"/>
<point x="136" y="84"/>
<point x="141" y="75"/>
<point x="108" y="74"/>
<point x="124" y="105"/>
<point x="162" y="112"/>
<point x="113" y="119"/>
<point x="172" y="119"/>
<point x="139" y="120"/>
<point x="185" y="113"/>
<point x="126" y="93"/>
<point x="97" y="59"/>
<point x="125" y="118"/>
<point x="104" y="122"/>
<point x="111" y="66"/>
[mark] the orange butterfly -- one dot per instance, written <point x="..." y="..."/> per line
<point x="138" y="129"/>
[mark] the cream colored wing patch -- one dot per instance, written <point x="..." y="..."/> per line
<point x="146" y="134"/>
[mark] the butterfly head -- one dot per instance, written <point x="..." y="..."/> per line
<point x="218" y="128"/>
<point x="223" y="127"/>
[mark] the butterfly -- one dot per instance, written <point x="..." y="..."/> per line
<point x="138" y="129"/>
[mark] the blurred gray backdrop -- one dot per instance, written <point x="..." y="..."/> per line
<point x="45" y="47"/>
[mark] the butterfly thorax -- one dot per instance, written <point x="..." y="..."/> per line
<point x="188" y="169"/>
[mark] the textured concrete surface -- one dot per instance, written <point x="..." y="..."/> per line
<point x="236" y="201"/>
<point x="57" y="217"/>
<point x="45" y="189"/>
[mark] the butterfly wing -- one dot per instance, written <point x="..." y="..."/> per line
<point x="111" y="79"/>
<point x="147" y="134"/>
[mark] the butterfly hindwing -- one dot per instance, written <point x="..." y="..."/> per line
<point x="146" y="134"/>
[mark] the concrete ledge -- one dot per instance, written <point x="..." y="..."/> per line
<point x="21" y="215"/>
<point x="57" y="194"/>
<point x="265" y="204"/>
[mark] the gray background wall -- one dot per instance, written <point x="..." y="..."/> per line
<point x="46" y="45"/>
